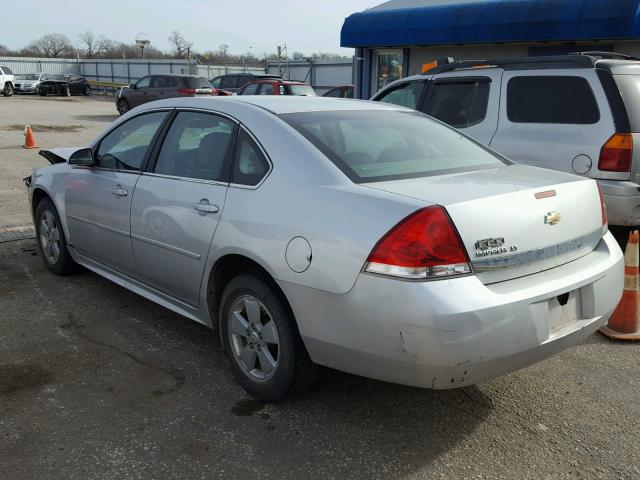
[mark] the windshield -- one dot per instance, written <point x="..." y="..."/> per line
<point x="629" y="86"/>
<point x="304" y="90"/>
<point x="59" y="77"/>
<point x="381" y="145"/>
<point x="27" y="76"/>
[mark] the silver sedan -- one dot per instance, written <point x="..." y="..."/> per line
<point x="359" y="236"/>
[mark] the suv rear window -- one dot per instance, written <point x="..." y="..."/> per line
<point x="629" y="86"/>
<point x="199" y="82"/>
<point x="551" y="99"/>
<point x="459" y="103"/>
<point x="380" y="145"/>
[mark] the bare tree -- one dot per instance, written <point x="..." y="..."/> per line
<point x="180" y="45"/>
<point x="224" y="49"/>
<point x="52" y="45"/>
<point x="4" y="50"/>
<point x="92" y="46"/>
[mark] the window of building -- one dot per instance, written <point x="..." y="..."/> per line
<point x="388" y="67"/>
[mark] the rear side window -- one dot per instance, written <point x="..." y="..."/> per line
<point x="407" y="95"/>
<point x="551" y="99"/>
<point x="198" y="146"/>
<point x="266" y="89"/>
<point x="250" y="166"/>
<point x="459" y="103"/>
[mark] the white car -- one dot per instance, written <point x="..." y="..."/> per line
<point x="357" y="235"/>
<point x="28" y="82"/>
<point x="7" y="81"/>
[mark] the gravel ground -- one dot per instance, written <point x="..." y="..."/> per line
<point x="98" y="383"/>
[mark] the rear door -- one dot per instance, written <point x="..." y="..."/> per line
<point x="98" y="199"/>
<point x="168" y="87"/>
<point x="557" y="119"/>
<point x="177" y="203"/>
<point x="467" y="100"/>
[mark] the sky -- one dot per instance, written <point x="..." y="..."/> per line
<point x="256" y="26"/>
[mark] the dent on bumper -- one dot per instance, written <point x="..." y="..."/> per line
<point x="451" y="333"/>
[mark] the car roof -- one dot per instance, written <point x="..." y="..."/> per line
<point x="274" y="103"/>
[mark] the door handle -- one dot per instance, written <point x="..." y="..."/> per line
<point x="205" y="207"/>
<point x="119" y="191"/>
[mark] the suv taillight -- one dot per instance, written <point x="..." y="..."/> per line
<point x="603" y="208"/>
<point x="424" y="245"/>
<point x="616" y="154"/>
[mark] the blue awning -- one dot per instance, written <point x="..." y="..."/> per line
<point x="448" y="22"/>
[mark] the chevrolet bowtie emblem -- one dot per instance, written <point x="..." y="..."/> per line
<point x="552" y="218"/>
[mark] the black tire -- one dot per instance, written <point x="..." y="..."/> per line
<point x="87" y="91"/>
<point x="122" y="106"/>
<point x="63" y="264"/>
<point x="42" y="93"/>
<point x="7" y="91"/>
<point x="294" y="371"/>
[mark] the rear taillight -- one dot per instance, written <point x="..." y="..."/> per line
<point x="603" y="208"/>
<point x="424" y="245"/>
<point x="616" y="154"/>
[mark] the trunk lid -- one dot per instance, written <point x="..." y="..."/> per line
<point x="514" y="220"/>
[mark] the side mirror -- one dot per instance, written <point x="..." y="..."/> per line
<point x="132" y="86"/>
<point x="83" y="157"/>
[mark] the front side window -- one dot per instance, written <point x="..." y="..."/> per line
<point x="125" y="147"/>
<point x="459" y="103"/>
<point x="250" y="89"/>
<point x="406" y="95"/>
<point x="250" y="166"/>
<point x="376" y="145"/>
<point x="334" y="93"/>
<point x="199" y="146"/>
<point x="143" y="82"/>
<point x="216" y="82"/>
<point x="228" y="82"/>
<point x="551" y="99"/>
<point x="7" y="71"/>
<point x="266" y="89"/>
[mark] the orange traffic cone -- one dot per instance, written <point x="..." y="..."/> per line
<point x="623" y="324"/>
<point x="30" y="139"/>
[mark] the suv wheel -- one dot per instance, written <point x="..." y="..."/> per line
<point x="8" y="90"/>
<point x="87" y="91"/>
<point x="122" y="106"/>
<point x="261" y="339"/>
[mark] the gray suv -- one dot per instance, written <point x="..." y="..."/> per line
<point x="159" y="87"/>
<point x="576" y="113"/>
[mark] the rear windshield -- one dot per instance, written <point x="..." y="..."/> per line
<point x="199" y="82"/>
<point x="378" y="145"/>
<point x="300" y="90"/>
<point x="629" y="86"/>
<point x="27" y="76"/>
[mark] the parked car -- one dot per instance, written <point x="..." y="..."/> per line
<point x="574" y="113"/>
<point x="230" y="83"/>
<point x="341" y="91"/>
<point x="64" y="85"/>
<point x="29" y="82"/>
<point x="277" y="87"/>
<point x="358" y="235"/>
<point x="160" y="87"/>
<point x="7" y="80"/>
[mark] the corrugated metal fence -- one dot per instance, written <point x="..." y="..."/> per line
<point x="322" y="74"/>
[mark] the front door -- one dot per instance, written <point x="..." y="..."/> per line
<point x="98" y="199"/>
<point x="177" y="205"/>
<point x="140" y="94"/>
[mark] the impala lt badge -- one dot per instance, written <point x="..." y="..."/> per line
<point x="493" y="246"/>
<point x="552" y="218"/>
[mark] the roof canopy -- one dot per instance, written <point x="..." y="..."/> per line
<point x="444" y="22"/>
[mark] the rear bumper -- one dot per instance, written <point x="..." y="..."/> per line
<point x="623" y="202"/>
<point x="451" y="333"/>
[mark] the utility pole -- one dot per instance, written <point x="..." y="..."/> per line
<point x="281" y="50"/>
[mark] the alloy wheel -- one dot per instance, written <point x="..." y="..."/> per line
<point x="254" y="338"/>
<point x="49" y="237"/>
